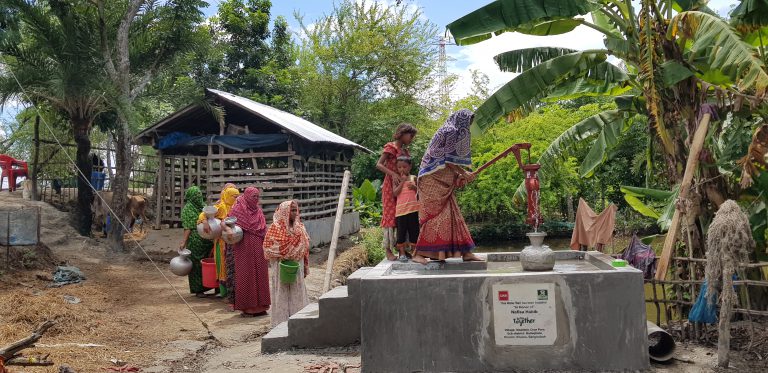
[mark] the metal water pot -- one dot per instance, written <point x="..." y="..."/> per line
<point x="181" y="265"/>
<point x="237" y="232"/>
<point x="215" y="224"/>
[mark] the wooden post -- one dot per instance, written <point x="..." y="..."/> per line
<point x="690" y="170"/>
<point x="336" y="228"/>
<point x="36" y="159"/>
<point x="158" y="191"/>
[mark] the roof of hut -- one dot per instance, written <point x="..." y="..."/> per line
<point x="196" y="119"/>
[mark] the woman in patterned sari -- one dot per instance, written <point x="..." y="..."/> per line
<point x="444" y="234"/>
<point x="223" y="206"/>
<point x="387" y="164"/>
<point x="251" y="280"/>
<point x="199" y="247"/>
<point x="287" y="239"/>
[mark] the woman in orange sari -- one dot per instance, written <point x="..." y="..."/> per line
<point x="287" y="239"/>
<point x="444" y="234"/>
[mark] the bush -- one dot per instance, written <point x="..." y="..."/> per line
<point x="371" y="239"/>
<point x="367" y="201"/>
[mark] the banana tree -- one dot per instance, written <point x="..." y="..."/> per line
<point x="677" y="56"/>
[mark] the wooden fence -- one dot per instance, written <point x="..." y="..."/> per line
<point x="672" y="300"/>
<point x="315" y="181"/>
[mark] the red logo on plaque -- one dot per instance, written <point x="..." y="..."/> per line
<point x="503" y="296"/>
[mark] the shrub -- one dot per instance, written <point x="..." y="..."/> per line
<point x="371" y="239"/>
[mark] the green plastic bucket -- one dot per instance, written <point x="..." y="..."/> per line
<point x="288" y="271"/>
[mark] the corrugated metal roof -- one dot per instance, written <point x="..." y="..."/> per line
<point x="291" y="123"/>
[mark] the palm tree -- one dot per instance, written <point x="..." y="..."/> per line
<point x="677" y="57"/>
<point x="48" y="58"/>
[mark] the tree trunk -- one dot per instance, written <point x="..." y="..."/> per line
<point x="123" y="164"/>
<point x="82" y="129"/>
<point x="36" y="160"/>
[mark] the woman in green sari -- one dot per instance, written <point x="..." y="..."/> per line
<point x="199" y="247"/>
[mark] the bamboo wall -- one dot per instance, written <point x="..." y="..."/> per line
<point x="315" y="182"/>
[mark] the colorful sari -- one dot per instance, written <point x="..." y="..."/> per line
<point x="223" y="206"/>
<point x="291" y="242"/>
<point x="251" y="276"/>
<point x="442" y="226"/>
<point x="388" y="198"/>
<point x="199" y="247"/>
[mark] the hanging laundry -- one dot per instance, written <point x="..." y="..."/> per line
<point x="640" y="256"/>
<point x="593" y="229"/>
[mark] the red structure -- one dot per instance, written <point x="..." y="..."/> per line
<point x="12" y="168"/>
<point x="531" y="180"/>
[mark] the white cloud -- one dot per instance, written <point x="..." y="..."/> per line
<point x="480" y="56"/>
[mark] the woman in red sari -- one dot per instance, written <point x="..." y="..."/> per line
<point x="388" y="165"/>
<point x="251" y="269"/>
<point x="444" y="234"/>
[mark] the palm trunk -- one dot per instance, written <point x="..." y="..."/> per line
<point x="123" y="164"/>
<point x="81" y="129"/>
<point x="36" y="160"/>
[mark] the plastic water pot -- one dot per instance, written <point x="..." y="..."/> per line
<point x="209" y="273"/>
<point x="288" y="271"/>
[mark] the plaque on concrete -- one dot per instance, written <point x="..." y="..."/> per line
<point x="524" y="314"/>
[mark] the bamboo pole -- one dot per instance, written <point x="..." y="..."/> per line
<point x="336" y="228"/>
<point x="690" y="169"/>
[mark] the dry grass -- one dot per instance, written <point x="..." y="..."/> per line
<point x="348" y="262"/>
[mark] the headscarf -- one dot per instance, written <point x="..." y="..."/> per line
<point x="224" y="205"/>
<point x="451" y="144"/>
<point x="284" y="241"/>
<point x="193" y="205"/>
<point x="248" y="212"/>
<point x="225" y="187"/>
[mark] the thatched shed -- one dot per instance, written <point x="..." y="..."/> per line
<point x="250" y="144"/>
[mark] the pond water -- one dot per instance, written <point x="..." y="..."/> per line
<point x="519" y="245"/>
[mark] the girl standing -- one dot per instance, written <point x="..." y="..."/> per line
<point x="388" y="165"/>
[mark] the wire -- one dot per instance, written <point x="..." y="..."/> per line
<point x="111" y="211"/>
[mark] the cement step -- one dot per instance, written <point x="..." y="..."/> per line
<point x="354" y="280"/>
<point x="276" y="340"/>
<point x="336" y="302"/>
<point x="333" y="322"/>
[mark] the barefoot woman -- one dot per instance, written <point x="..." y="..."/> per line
<point x="388" y="165"/>
<point x="444" y="234"/>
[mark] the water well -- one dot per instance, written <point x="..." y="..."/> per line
<point x="583" y="314"/>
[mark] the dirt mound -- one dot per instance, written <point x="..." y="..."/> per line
<point x="55" y="225"/>
<point x="31" y="257"/>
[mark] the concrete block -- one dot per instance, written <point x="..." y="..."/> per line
<point x="354" y="280"/>
<point x="276" y="340"/>
<point x="309" y="328"/>
<point x="321" y="230"/>
<point x="435" y="322"/>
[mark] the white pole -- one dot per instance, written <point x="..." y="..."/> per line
<point x="336" y="228"/>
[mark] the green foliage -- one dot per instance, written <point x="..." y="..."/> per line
<point x="363" y="66"/>
<point x="372" y="242"/>
<point x="367" y="201"/>
<point x="493" y="193"/>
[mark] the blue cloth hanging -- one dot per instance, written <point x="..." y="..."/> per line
<point x="703" y="311"/>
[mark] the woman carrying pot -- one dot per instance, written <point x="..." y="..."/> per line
<point x="251" y="280"/>
<point x="287" y="241"/>
<point x="199" y="247"/>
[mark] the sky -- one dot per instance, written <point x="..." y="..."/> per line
<point x="461" y="60"/>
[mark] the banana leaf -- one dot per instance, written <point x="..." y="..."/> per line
<point x="512" y="15"/>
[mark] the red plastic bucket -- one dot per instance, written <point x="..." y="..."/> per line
<point x="209" y="273"/>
